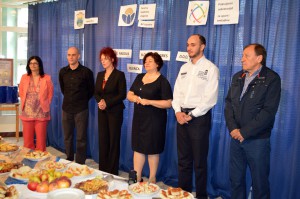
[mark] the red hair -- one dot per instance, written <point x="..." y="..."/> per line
<point x="109" y="52"/>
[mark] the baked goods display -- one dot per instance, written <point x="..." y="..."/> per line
<point x="37" y="155"/>
<point x="144" y="188"/>
<point x="175" y="193"/>
<point x="53" y="165"/>
<point x="92" y="186"/>
<point x="8" y="192"/>
<point x="8" y="166"/>
<point x="23" y="173"/>
<point x="8" y="147"/>
<point x="115" y="194"/>
<point x="82" y="170"/>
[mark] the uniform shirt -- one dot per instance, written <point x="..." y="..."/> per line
<point x="196" y="87"/>
<point x="77" y="86"/>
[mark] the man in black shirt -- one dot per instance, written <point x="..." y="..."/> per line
<point x="77" y="86"/>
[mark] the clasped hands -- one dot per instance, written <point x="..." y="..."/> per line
<point x="141" y="101"/>
<point x="183" y="118"/>
<point x="236" y="134"/>
<point x="102" y="104"/>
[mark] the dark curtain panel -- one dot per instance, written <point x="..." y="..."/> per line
<point x="273" y="23"/>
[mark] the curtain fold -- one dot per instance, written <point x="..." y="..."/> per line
<point x="273" y="23"/>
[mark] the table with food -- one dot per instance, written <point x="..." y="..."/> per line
<point x="27" y="174"/>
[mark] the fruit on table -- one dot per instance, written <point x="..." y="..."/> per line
<point x="44" y="177"/>
<point x="63" y="182"/>
<point x="53" y="186"/>
<point x="34" y="179"/>
<point x="32" y="185"/>
<point x="43" y="187"/>
<point x="67" y="174"/>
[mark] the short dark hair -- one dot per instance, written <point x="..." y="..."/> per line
<point x="41" y="67"/>
<point x="259" y="50"/>
<point x="157" y="59"/>
<point x="201" y="38"/>
<point x="109" y="52"/>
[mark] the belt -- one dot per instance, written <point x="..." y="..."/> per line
<point x="186" y="110"/>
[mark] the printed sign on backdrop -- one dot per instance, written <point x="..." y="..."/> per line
<point x="79" y="17"/>
<point x="147" y="12"/>
<point x="226" y="12"/>
<point x="93" y="20"/>
<point x="165" y="55"/>
<point x="197" y="13"/>
<point x="146" y="24"/>
<point x="134" y="68"/>
<point x="182" y="56"/>
<point x="124" y="53"/>
<point x="127" y="15"/>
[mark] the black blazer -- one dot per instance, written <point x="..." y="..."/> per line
<point x="114" y="91"/>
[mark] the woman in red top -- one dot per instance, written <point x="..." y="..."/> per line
<point x="36" y="92"/>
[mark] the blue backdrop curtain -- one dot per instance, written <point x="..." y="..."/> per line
<point x="273" y="23"/>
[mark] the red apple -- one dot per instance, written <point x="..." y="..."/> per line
<point x="63" y="182"/>
<point x="43" y="187"/>
<point x="53" y="186"/>
<point x="32" y="185"/>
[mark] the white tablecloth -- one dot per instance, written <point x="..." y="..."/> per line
<point x="25" y="193"/>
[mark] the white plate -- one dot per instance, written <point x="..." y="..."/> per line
<point x="143" y="194"/>
<point x="43" y="166"/>
<point x="22" y="179"/>
<point x="35" y="193"/>
<point x="9" y="152"/>
<point x="37" y="159"/>
<point x="66" y="193"/>
<point x="3" y="174"/>
<point x="191" y="195"/>
<point x="81" y="176"/>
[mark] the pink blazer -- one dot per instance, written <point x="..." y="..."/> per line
<point x="45" y="94"/>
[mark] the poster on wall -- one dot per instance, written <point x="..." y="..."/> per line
<point x="6" y="72"/>
<point x="127" y="15"/>
<point x="226" y="12"/>
<point x="197" y="13"/>
<point x="79" y="18"/>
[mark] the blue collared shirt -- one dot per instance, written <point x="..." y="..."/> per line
<point x="249" y="79"/>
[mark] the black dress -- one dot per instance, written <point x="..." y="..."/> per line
<point x="149" y="122"/>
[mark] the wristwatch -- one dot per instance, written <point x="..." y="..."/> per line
<point x="191" y="114"/>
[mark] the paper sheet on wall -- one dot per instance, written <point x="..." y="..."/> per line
<point x="197" y="13"/>
<point x="127" y="15"/>
<point x="226" y="12"/>
<point x="79" y="17"/>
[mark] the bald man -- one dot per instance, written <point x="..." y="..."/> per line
<point x="77" y="86"/>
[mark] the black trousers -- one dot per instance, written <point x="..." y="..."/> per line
<point x="192" y="146"/>
<point x="110" y="124"/>
<point x="70" y="121"/>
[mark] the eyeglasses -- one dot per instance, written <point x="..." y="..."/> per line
<point x="33" y="63"/>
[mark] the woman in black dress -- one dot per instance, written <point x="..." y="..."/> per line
<point x="152" y="94"/>
<point x="110" y="91"/>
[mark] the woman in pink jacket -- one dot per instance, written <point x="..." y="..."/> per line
<point x="36" y="92"/>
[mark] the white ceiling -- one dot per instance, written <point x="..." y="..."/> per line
<point x="9" y="3"/>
